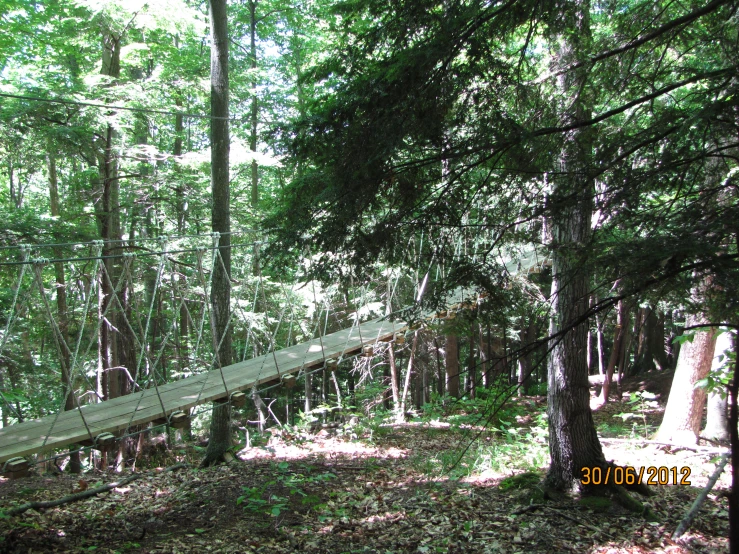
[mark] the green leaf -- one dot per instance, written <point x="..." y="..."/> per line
<point x="701" y="384"/>
<point x="682" y="339"/>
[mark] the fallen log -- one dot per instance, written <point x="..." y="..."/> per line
<point x="45" y="504"/>
<point x="688" y="519"/>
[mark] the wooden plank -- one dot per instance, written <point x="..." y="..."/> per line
<point x="193" y="385"/>
<point x="138" y="408"/>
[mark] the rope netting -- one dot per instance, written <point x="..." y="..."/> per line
<point x="81" y="327"/>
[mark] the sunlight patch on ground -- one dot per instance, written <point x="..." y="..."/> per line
<point x="655" y="456"/>
<point x="330" y="447"/>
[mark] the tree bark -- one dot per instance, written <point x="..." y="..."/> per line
<point x="717" y="415"/>
<point x="408" y="374"/>
<point x="734" y="440"/>
<point x="451" y="362"/>
<point x="220" y="296"/>
<point x="527" y="335"/>
<point x="109" y="222"/>
<point x="393" y="376"/>
<point x="308" y="392"/>
<point x="472" y="365"/>
<point x="61" y="309"/>
<point x="682" y="418"/>
<point x="622" y="322"/>
<point x="573" y="441"/>
<point x="440" y="369"/>
<point x="254" y="119"/>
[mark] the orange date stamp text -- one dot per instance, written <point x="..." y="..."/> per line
<point x="616" y="475"/>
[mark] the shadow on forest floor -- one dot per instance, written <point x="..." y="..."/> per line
<point x="388" y="491"/>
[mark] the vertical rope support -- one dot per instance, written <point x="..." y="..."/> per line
<point x="26" y="250"/>
<point x="272" y="337"/>
<point x="152" y="367"/>
<point x="217" y="342"/>
<point x="37" y="265"/>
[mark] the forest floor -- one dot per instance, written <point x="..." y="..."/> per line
<point x="412" y="487"/>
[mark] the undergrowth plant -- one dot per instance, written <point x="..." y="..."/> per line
<point x="290" y="484"/>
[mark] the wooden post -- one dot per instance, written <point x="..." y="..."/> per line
<point x="105" y="442"/>
<point x="238" y="399"/>
<point x="15" y="468"/>
<point x="179" y="420"/>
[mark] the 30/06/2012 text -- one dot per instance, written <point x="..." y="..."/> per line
<point x="616" y="475"/>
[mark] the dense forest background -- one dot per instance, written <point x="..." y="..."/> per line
<point x="545" y="191"/>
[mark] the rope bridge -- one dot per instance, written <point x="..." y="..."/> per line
<point x="157" y="303"/>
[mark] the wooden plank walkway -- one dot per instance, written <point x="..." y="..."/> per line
<point x="54" y="432"/>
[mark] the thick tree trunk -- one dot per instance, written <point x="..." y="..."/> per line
<point x="573" y="441"/>
<point x="734" y="441"/>
<point x="106" y="307"/>
<point x="109" y="223"/>
<point x="220" y="296"/>
<point x="717" y="415"/>
<point x="657" y="337"/>
<point x="682" y="419"/>
<point x="650" y="353"/>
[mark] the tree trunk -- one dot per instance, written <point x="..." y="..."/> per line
<point x="671" y="346"/>
<point x="623" y="363"/>
<point x="109" y="225"/>
<point x="440" y="376"/>
<point x="451" y="362"/>
<point x="717" y="415"/>
<point x="657" y="337"/>
<point x="61" y="308"/>
<point x="622" y="322"/>
<point x="485" y="365"/>
<point x="734" y="440"/>
<point x="650" y="353"/>
<point x="393" y="376"/>
<point x="220" y="296"/>
<point x="408" y="374"/>
<point x="573" y="441"/>
<point x="308" y="392"/>
<point x="682" y="419"/>
<point x="527" y="336"/>
<point x="472" y="366"/>
<point x="254" y="120"/>
<point x="183" y="350"/>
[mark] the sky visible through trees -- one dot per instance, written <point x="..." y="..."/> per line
<point x="377" y="158"/>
